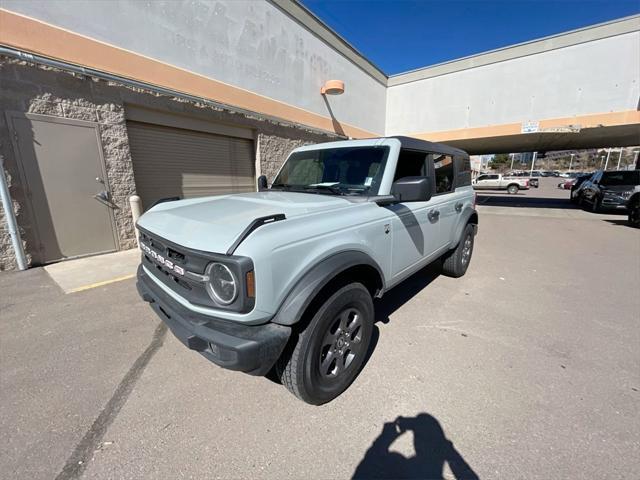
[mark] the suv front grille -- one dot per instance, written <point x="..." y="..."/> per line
<point x="176" y="268"/>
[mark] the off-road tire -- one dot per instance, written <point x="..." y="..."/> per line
<point x="634" y="213"/>
<point x="513" y="189"/>
<point x="456" y="262"/>
<point x="300" y="367"/>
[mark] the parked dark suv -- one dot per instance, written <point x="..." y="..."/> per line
<point x="609" y="190"/>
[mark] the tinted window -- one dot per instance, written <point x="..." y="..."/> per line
<point x="410" y="164"/>
<point x="464" y="172"/>
<point x="352" y="170"/>
<point x="443" y="165"/>
<point x="630" y="177"/>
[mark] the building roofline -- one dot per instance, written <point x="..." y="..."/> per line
<point x="590" y="33"/>
<point x="305" y="17"/>
<point x="298" y="12"/>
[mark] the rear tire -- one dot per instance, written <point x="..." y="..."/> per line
<point x="326" y="355"/>
<point x="513" y="189"/>
<point x="456" y="262"/>
<point x="634" y="213"/>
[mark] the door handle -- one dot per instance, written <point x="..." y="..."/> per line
<point x="433" y="215"/>
<point x="105" y="198"/>
<point x="459" y="206"/>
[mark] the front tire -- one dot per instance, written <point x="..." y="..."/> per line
<point x="456" y="262"/>
<point x="327" y="353"/>
<point x="596" y="206"/>
<point x="634" y="213"/>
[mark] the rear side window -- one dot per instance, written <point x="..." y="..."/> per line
<point x="629" y="177"/>
<point x="464" y="171"/>
<point x="444" y="172"/>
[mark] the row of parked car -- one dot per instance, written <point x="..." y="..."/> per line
<point x="536" y="173"/>
<point x="609" y="190"/>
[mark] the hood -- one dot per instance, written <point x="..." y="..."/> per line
<point x="213" y="223"/>
<point x="617" y="188"/>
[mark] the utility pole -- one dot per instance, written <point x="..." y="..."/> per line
<point x="512" y="155"/>
<point x="571" y="161"/>
<point x="533" y="162"/>
<point x="608" y="155"/>
<point x="601" y="161"/>
<point x="619" y="158"/>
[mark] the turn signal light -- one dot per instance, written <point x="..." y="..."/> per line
<point x="251" y="284"/>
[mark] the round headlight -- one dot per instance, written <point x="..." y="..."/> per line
<point x="222" y="284"/>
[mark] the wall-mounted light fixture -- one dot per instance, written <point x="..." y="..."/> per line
<point x="332" y="87"/>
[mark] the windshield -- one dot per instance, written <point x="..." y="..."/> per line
<point x="631" y="177"/>
<point x="334" y="171"/>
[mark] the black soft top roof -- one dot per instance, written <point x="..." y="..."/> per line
<point x="423" y="145"/>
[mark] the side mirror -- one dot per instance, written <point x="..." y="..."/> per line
<point x="412" y="189"/>
<point x="262" y="183"/>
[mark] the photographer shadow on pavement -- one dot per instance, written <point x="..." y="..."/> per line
<point x="432" y="451"/>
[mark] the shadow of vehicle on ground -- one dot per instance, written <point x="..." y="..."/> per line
<point x="524" y="201"/>
<point x="620" y="223"/>
<point x="432" y="451"/>
<point x="396" y="297"/>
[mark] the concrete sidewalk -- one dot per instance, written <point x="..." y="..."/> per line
<point x="90" y="272"/>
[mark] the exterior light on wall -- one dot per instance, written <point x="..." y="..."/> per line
<point x="332" y="87"/>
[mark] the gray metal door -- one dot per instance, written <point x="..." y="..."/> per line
<point x="169" y="161"/>
<point x="62" y="166"/>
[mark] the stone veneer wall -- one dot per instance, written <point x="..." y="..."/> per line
<point x="25" y="87"/>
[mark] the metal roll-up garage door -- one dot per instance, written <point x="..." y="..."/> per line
<point x="169" y="161"/>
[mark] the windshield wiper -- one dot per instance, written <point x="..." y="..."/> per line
<point x="280" y="186"/>
<point x="318" y="188"/>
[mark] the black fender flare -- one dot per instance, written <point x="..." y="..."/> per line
<point x="316" y="278"/>
<point x="466" y="215"/>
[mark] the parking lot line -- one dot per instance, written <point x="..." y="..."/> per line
<point x="100" y="284"/>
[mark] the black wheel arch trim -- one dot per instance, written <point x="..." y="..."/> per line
<point x="465" y="217"/>
<point x="316" y="278"/>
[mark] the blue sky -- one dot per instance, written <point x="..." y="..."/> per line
<point x="401" y="35"/>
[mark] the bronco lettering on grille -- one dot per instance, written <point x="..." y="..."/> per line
<point x="161" y="260"/>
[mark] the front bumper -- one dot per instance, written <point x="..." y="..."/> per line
<point x="252" y="349"/>
<point x="614" y="203"/>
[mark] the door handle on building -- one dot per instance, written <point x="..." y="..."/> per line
<point x="105" y="198"/>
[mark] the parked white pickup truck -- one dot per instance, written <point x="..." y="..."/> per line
<point x="496" y="181"/>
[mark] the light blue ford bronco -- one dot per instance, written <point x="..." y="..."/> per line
<point x="281" y="281"/>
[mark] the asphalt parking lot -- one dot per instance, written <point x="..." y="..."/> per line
<point x="527" y="367"/>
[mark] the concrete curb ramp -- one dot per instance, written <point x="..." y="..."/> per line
<point x="91" y="272"/>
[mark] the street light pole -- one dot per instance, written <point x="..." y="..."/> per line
<point x="533" y="162"/>
<point x="619" y="158"/>
<point x="607" y="162"/>
<point x="571" y="161"/>
<point x="601" y="161"/>
<point x="512" y="155"/>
